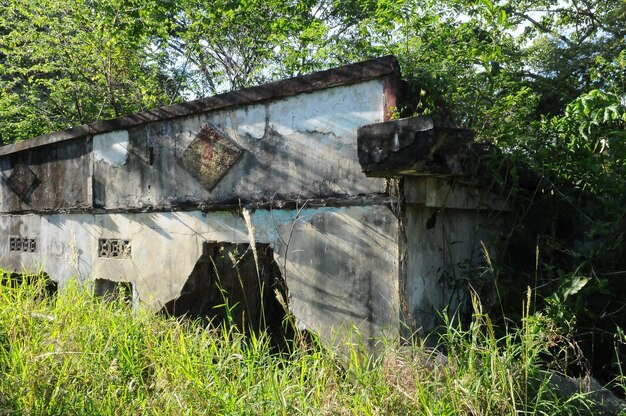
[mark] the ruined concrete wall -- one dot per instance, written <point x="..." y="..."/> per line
<point x="338" y="262"/>
<point x="300" y="147"/>
<point x="445" y="223"/>
<point x="446" y="217"/>
<point x="137" y="204"/>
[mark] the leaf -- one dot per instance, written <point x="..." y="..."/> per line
<point x="611" y="113"/>
<point x="576" y="284"/>
<point x="503" y="16"/>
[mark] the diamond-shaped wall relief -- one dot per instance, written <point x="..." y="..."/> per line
<point x="209" y="156"/>
<point x="22" y="181"/>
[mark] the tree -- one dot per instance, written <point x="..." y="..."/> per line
<point x="229" y="44"/>
<point x="545" y="82"/>
<point x="68" y="63"/>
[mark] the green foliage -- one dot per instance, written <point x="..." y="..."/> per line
<point x="235" y="44"/>
<point x="544" y="81"/>
<point x="68" y="63"/>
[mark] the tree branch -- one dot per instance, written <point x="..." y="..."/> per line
<point x="540" y="26"/>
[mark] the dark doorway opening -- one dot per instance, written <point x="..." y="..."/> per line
<point x="44" y="283"/>
<point x="112" y="291"/>
<point x="234" y="284"/>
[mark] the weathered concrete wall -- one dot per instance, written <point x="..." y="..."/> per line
<point x="136" y="201"/>
<point x="340" y="263"/>
<point x="47" y="179"/>
<point x="342" y="269"/>
<point x="300" y="147"/>
<point x="446" y="225"/>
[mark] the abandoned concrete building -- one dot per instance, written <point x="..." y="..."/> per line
<point x="358" y="220"/>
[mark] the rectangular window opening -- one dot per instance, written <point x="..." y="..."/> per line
<point x="112" y="291"/>
<point x="22" y="244"/>
<point x="114" y="248"/>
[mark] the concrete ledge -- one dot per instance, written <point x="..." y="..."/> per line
<point x="414" y="146"/>
<point x="269" y="203"/>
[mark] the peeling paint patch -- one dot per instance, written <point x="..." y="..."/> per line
<point x="111" y="147"/>
<point x="336" y="112"/>
<point x="252" y="121"/>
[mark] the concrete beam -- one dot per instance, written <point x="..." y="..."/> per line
<point x="415" y="146"/>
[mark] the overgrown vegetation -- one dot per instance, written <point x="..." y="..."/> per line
<point x="78" y="354"/>
<point x="543" y="80"/>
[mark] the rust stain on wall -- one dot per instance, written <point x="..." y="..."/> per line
<point x="209" y="157"/>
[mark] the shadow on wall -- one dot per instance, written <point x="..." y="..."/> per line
<point x="229" y="286"/>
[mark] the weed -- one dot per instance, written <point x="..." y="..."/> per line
<point x="78" y="354"/>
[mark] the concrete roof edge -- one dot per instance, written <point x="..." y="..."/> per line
<point x="344" y="75"/>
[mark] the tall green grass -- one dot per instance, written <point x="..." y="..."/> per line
<point x="74" y="354"/>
